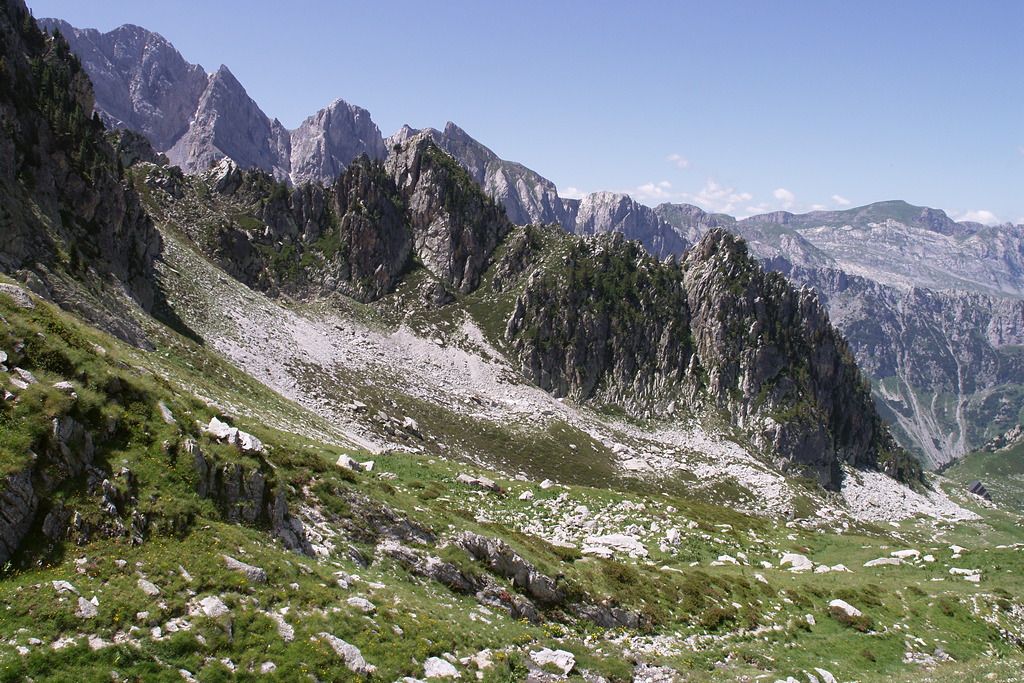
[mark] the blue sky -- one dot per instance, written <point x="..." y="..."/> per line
<point x="740" y="107"/>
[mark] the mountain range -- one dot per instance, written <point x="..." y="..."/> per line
<point x="374" y="429"/>
<point x="932" y="307"/>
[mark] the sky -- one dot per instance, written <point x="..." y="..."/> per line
<point x="740" y="107"/>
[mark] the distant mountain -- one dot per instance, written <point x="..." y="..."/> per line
<point x="931" y="307"/>
<point x="144" y="84"/>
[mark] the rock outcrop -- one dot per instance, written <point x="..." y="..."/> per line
<point x="617" y="326"/>
<point x="247" y="495"/>
<point x="455" y="226"/>
<point x="67" y="217"/>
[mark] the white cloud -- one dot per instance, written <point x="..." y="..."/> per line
<point x="662" y="190"/>
<point x="678" y="160"/>
<point x="786" y="197"/>
<point x="841" y="201"/>
<point x="717" y="199"/>
<point x="981" y="216"/>
<point x="818" y="207"/>
<point x="572" y="193"/>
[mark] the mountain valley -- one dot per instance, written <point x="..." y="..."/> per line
<point x="335" y="407"/>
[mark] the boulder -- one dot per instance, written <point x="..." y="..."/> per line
<point x="846" y="607"/>
<point x="479" y="482"/>
<point x="350" y="654"/>
<point x="883" y="561"/>
<point x="564" y="661"/>
<point x="254" y="574"/>
<point x="212" y="606"/>
<point x="362" y="604"/>
<point x="796" y="562"/>
<point x="86" y="609"/>
<point x="349" y="463"/>
<point x="435" y="667"/>
<point x="148" y="587"/>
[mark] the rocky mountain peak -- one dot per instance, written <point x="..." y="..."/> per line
<point x="601" y="212"/>
<point x="328" y="141"/>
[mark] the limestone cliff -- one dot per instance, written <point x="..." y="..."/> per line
<point x="67" y="219"/>
<point x="616" y="326"/>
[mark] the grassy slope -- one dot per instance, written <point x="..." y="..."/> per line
<point x="1001" y="472"/>
<point x="904" y="603"/>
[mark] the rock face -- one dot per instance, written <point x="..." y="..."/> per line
<point x="604" y="212"/>
<point x="616" y="326"/>
<point x="455" y="226"/>
<point x="327" y="142"/>
<point x="228" y="123"/>
<point x="526" y="196"/>
<point x="143" y="84"/>
<point x="67" y="215"/>
<point x="141" y="81"/>
<point x="931" y="307"/>
<point x="246" y="495"/>
<point x="65" y="454"/>
<point x="355" y="237"/>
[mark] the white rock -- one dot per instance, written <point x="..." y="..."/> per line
<point x="526" y="495"/>
<point x="797" y="562"/>
<point x="760" y="577"/>
<point x="435" y="667"/>
<point x="906" y="554"/>
<point x="956" y="571"/>
<point x="221" y="430"/>
<point x="349" y="463"/>
<point x="634" y="465"/>
<point x="883" y="561"/>
<point x="64" y="587"/>
<point x="546" y="484"/>
<point x="350" y="654"/>
<point x="148" y="587"/>
<point x="268" y="668"/>
<point x="362" y="604"/>
<point x="826" y="677"/>
<point x="249" y="443"/>
<point x="166" y="413"/>
<point x="482" y="659"/>
<point x="846" y="607"/>
<point x="26" y="376"/>
<point x="673" y="537"/>
<point x="618" y="542"/>
<point x="86" y="609"/>
<point x="65" y="387"/>
<point x="565" y="661"/>
<point x="724" y="560"/>
<point x="369" y="465"/>
<point x="212" y="606"/>
<point x="284" y="629"/>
